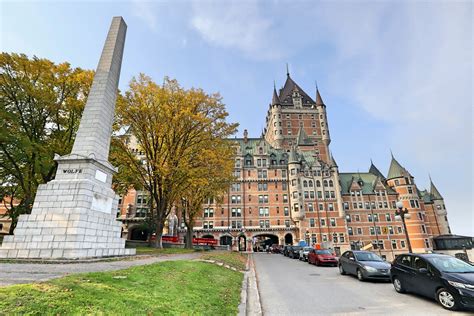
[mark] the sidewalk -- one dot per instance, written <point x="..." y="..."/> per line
<point x="17" y="273"/>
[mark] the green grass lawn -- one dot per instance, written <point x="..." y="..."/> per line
<point x="172" y="288"/>
<point x="234" y="259"/>
<point x="162" y="251"/>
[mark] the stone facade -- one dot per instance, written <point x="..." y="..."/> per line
<point x="74" y="215"/>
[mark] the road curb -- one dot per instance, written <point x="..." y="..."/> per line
<point x="250" y="299"/>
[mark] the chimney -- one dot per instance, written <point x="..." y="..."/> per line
<point x="245" y="136"/>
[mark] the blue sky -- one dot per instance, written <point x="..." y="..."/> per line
<point x="395" y="75"/>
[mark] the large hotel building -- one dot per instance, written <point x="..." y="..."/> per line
<point x="289" y="188"/>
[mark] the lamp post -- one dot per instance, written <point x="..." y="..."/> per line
<point x="402" y="214"/>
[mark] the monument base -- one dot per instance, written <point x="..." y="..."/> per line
<point x="64" y="225"/>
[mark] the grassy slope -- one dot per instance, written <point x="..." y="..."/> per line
<point x="162" y="251"/>
<point x="233" y="259"/>
<point x="175" y="287"/>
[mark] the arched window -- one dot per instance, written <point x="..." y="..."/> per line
<point x="331" y="184"/>
<point x="260" y="150"/>
<point x="310" y="183"/>
<point x="325" y="183"/>
<point x="318" y="183"/>
<point x="305" y="184"/>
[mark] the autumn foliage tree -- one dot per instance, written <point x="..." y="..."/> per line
<point x="40" y="108"/>
<point x="174" y="129"/>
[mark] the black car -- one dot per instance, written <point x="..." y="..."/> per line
<point x="447" y="279"/>
<point x="285" y="250"/>
<point x="364" y="265"/>
<point x="294" y="252"/>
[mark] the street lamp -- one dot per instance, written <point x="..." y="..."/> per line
<point x="401" y="213"/>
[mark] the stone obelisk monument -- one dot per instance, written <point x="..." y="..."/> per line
<point x="74" y="215"/>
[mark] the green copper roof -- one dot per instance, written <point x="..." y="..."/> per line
<point x="303" y="139"/>
<point x="425" y="195"/>
<point x="367" y="184"/>
<point x="396" y="170"/>
<point x="435" y="195"/>
<point x="375" y="171"/>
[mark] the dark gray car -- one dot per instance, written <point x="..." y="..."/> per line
<point x="364" y="265"/>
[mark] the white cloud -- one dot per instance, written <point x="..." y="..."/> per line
<point x="236" y="25"/>
<point x="146" y="11"/>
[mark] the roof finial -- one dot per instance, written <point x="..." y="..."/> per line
<point x="391" y="153"/>
<point x="274" y="85"/>
<point x="316" y="84"/>
<point x="371" y="162"/>
<point x="287" y="70"/>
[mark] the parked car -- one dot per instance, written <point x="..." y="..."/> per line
<point x="322" y="257"/>
<point x="364" y="265"/>
<point x="304" y="253"/>
<point x="445" y="278"/>
<point x="294" y="252"/>
<point x="285" y="250"/>
<point x="275" y="248"/>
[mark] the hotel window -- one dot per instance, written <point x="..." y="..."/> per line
<point x="423" y="229"/>
<point x="314" y="240"/>
<point x="348" y="218"/>
<point x="320" y="195"/>
<point x="287" y="223"/>
<point x="259" y="162"/>
<point x="311" y="222"/>
<point x="410" y="190"/>
<point x="306" y="194"/>
<point x="399" y="229"/>
<point x="376" y="217"/>
<point x="325" y="237"/>
<point x="378" y="230"/>
<point x="293" y="182"/>
<point x="357" y="218"/>
<point x="310" y="207"/>
<point x="209" y="212"/>
<point x="331" y="207"/>
<point x="283" y="173"/>
<point x="321" y="207"/>
<point x="267" y="224"/>
<point x="311" y="194"/>
<point x="397" y="182"/>
<point x="349" y="231"/>
<point x="285" y="198"/>
<point x="427" y="243"/>
<point x="326" y="194"/>
<point x="385" y="204"/>
<point x="263" y="212"/>
<point x="285" y="211"/>
<point x="341" y="237"/>
<point x="284" y="186"/>
<point x="263" y="186"/>
<point x="346" y="205"/>
<point x="372" y="204"/>
<point x="420" y="216"/>
<point x="402" y="243"/>
<point x="318" y="183"/>
<point x="372" y="230"/>
<point x="359" y="231"/>
<point x="236" y="212"/>
<point x="323" y="222"/>
<point x="361" y="206"/>
<point x="334" y="237"/>
<point x="333" y="222"/>
<point x="369" y="217"/>
<point x="390" y="230"/>
<point x="354" y="205"/>
<point x="380" y="205"/>
<point x="288" y="116"/>
<point x="237" y="163"/>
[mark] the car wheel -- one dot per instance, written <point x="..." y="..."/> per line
<point x="341" y="270"/>
<point x="447" y="299"/>
<point x="360" y="276"/>
<point x="397" y="284"/>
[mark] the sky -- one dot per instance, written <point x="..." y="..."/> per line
<point x="395" y="75"/>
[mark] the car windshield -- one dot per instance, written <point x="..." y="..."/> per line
<point x="323" y="252"/>
<point x="451" y="264"/>
<point x="367" y="256"/>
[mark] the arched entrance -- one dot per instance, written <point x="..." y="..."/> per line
<point x="288" y="239"/>
<point x="225" y="240"/>
<point x="139" y="233"/>
<point x="242" y="240"/>
<point x="261" y="241"/>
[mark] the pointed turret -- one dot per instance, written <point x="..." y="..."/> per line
<point x="319" y="100"/>
<point x="396" y="170"/>
<point x="286" y="93"/>
<point x="275" y="98"/>
<point x="375" y="171"/>
<point x="435" y="195"/>
<point x="303" y="139"/>
<point x="293" y="158"/>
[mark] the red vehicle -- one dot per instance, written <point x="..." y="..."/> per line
<point x="322" y="257"/>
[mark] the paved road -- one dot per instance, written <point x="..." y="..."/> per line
<point x="16" y="273"/>
<point x="292" y="287"/>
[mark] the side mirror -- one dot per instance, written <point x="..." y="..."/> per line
<point x="423" y="271"/>
<point x="352" y="258"/>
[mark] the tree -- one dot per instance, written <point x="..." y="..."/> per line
<point x="210" y="180"/>
<point x="40" y="109"/>
<point x="172" y="127"/>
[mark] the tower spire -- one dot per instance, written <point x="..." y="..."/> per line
<point x="287" y="70"/>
